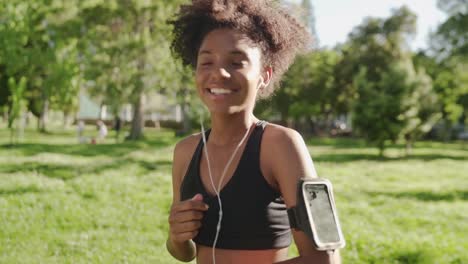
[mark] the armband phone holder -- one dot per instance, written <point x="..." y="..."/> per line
<point x="315" y="214"/>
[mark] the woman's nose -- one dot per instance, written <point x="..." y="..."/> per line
<point x="221" y="73"/>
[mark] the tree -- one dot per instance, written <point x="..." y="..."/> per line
<point x="309" y="21"/>
<point x="451" y="37"/>
<point x="449" y="47"/>
<point x="185" y="96"/>
<point x="129" y="42"/>
<point x="4" y="92"/>
<point x="31" y="43"/>
<point x="17" y="89"/>
<point x="308" y="93"/>
<point x="12" y="60"/>
<point x="379" y="109"/>
<point x="422" y="106"/>
<point x="402" y="104"/>
<point x="450" y="83"/>
<point x="379" y="49"/>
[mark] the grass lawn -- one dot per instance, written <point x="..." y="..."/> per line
<point x="64" y="202"/>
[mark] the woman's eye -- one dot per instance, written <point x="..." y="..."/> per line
<point x="204" y="62"/>
<point x="238" y="63"/>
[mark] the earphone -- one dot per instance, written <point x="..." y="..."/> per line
<point x="217" y="190"/>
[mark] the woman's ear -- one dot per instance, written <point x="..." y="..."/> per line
<point x="266" y="76"/>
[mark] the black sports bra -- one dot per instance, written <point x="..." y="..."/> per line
<point x="254" y="214"/>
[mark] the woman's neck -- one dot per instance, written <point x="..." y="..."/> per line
<point x="229" y="129"/>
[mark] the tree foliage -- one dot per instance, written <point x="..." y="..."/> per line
<point x="379" y="107"/>
<point x="33" y="47"/>
<point x="386" y="84"/>
<point x="17" y="88"/>
<point x="450" y="50"/>
<point x="451" y="37"/>
<point x="126" y="53"/>
<point x="118" y="52"/>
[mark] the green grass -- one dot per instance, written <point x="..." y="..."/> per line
<point x="63" y="202"/>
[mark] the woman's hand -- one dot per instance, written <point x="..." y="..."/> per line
<point x="185" y="219"/>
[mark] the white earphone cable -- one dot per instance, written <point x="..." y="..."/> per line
<point x="217" y="190"/>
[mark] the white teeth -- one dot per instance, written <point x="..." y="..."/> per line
<point x="220" y="91"/>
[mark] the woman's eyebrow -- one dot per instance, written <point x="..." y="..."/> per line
<point x="234" y="52"/>
<point x="238" y="52"/>
<point x="207" y="52"/>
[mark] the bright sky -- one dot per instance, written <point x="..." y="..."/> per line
<point x="336" y="18"/>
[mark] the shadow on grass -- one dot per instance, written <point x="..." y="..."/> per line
<point x="19" y="191"/>
<point x="349" y="157"/>
<point x="88" y="150"/>
<point x="343" y="143"/>
<point x="63" y="172"/>
<point x="67" y="172"/>
<point x="349" y="143"/>
<point x="150" y="166"/>
<point x="413" y="257"/>
<point x="426" y="196"/>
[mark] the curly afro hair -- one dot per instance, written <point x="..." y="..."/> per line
<point x="277" y="34"/>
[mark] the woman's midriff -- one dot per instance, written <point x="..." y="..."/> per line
<point x="234" y="256"/>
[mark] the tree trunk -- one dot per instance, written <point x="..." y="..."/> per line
<point x="118" y="123"/>
<point x="44" y="116"/>
<point x="5" y="114"/>
<point x="12" y="136"/>
<point x="102" y="112"/>
<point x="66" y="119"/>
<point x="313" y="126"/>
<point x="283" y="117"/>
<point x="408" y="145"/>
<point x="447" y="131"/>
<point x="21" y="125"/>
<point x="381" y="146"/>
<point x="138" y="121"/>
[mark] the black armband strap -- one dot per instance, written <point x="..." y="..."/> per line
<point x="292" y="217"/>
<point x="298" y="218"/>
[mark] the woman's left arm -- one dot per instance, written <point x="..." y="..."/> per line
<point x="289" y="160"/>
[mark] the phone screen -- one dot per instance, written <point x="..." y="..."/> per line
<point x="321" y="209"/>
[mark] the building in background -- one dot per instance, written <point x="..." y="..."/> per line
<point x="159" y="108"/>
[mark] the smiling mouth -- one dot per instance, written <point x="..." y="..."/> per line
<point x="219" y="91"/>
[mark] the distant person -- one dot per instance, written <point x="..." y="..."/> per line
<point x="80" y="131"/>
<point x="102" y="130"/>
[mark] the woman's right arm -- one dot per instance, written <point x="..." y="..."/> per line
<point x="185" y="216"/>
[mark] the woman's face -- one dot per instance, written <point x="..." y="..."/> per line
<point x="229" y="72"/>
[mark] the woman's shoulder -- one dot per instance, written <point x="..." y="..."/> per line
<point x="286" y="149"/>
<point x="281" y="136"/>
<point x="288" y="158"/>
<point x="183" y="152"/>
<point x="187" y="145"/>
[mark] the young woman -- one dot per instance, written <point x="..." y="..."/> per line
<point x="239" y="49"/>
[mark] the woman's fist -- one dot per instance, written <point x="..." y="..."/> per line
<point x="185" y="218"/>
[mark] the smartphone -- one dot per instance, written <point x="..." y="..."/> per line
<point x="324" y="226"/>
